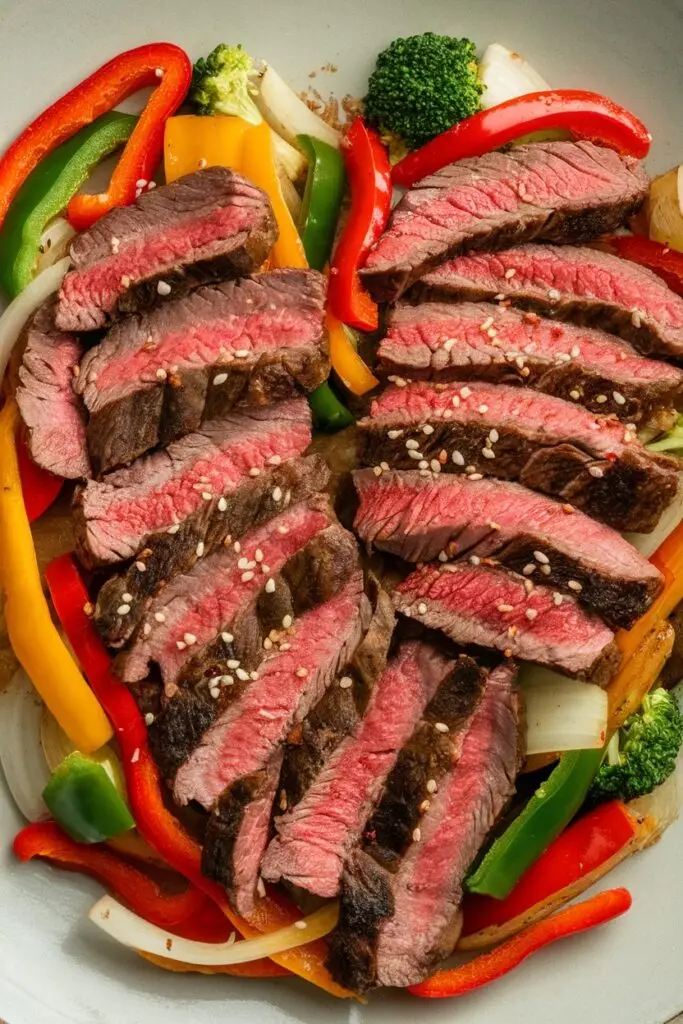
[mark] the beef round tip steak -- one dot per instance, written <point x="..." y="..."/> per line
<point x="463" y="341"/>
<point x="490" y="606"/>
<point x="315" y="837"/>
<point x="397" y="924"/>
<point x="234" y="770"/>
<point x="555" y="191"/>
<point x="586" y="286"/>
<point x="423" y="516"/>
<point x="205" y="226"/>
<point x="158" y="376"/>
<point x="543" y="442"/>
<point x="50" y="408"/>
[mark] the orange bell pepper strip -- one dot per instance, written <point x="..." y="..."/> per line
<point x="258" y="164"/>
<point x="500" y="961"/>
<point x="32" y="633"/>
<point x="583" y="853"/>
<point x="192" y="142"/>
<point x="639" y="672"/>
<point x="346" y="363"/>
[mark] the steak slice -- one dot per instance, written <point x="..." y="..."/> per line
<point x="166" y="555"/>
<point x="49" y="406"/>
<point x="492" y="607"/>
<point x="220" y="672"/>
<point x="396" y="926"/>
<point x="585" y="286"/>
<point x="556" y="191"/>
<point x="484" y="341"/>
<point x="203" y="602"/>
<point x="316" y="836"/>
<point x="116" y="516"/>
<point x="248" y="738"/>
<point x="547" y="444"/>
<point x="161" y="375"/>
<point x="204" y="226"/>
<point x="422" y="517"/>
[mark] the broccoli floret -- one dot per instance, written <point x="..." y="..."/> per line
<point x="221" y="84"/>
<point x="646" y="754"/>
<point x="423" y="85"/>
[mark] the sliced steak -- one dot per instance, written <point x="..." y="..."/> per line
<point x="548" y="444"/>
<point x="166" y="554"/>
<point x="206" y="225"/>
<point x="315" y="837"/>
<point x="159" y="376"/>
<point x="262" y="625"/>
<point x="49" y="406"/>
<point x="492" y="607"/>
<point x="555" y="191"/>
<point x="422" y="517"/>
<point x="248" y="738"/>
<point x="585" y="286"/>
<point x="203" y="602"/>
<point x="397" y="925"/>
<point x="484" y="341"/>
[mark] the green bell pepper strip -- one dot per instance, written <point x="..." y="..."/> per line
<point x="329" y="413"/>
<point x="322" y="199"/>
<point x="47" y="192"/>
<point x="549" y="811"/>
<point x="82" y="797"/>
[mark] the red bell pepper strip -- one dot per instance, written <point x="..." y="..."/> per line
<point x="587" y="115"/>
<point x="490" y="966"/>
<point x="660" y="259"/>
<point x="571" y="863"/>
<point x="369" y="174"/>
<point x="154" y="821"/>
<point x="160" y="64"/>
<point x="40" y="488"/>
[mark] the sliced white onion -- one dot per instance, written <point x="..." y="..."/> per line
<point x="288" y="114"/>
<point x="505" y="75"/>
<point x="647" y="543"/>
<point x="291" y="197"/>
<point x="136" y="933"/>
<point x="54" y="241"/>
<point x="23" y="764"/>
<point x="26" y="303"/>
<point x="562" y="713"/>
<point x="290" y="161"/>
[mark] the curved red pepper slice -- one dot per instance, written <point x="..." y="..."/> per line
<point x="667" y="263"/>
<point x="587" y="115"/>
<point x="161" y="64"/>
<point x="40" y="488"/>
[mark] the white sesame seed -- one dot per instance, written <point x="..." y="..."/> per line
<point x="575" y="395"/>
<point x="258" y="555"/>
<point x="483" y="409"/>
<point x="243" y="562"/>
<point x="384" y="466"/>
<point x="301" y="924"/>
<point x="618" y="398"/>
<point x="546" y="570"/>
<point x="189" y="639"/>
<point x="458" y="458"/>
<point x="214" y="692"/>
<point x="127" y="598"/>
<point x="425" y="805"/>
<point x="227" y="681"/>
<point x="475" y="560"/>
<point x="441" y="727"/>
<point x="448" y="344"/>
<point x="233" y="663"/>
<point x="161" y="374"/>
<point x="274" y="460"/>
<point x="237" y="547"/>
<point x="554" y="295"/>
<point x="417" y="835"/>
<point x="346" y="682"/>
<point x="576" y="351"/>
<point x="149" y="718"/>
<point x="528" y="569"/>
<point x="435" y="466"/>
<point x="575" y="585"/>
<point x="146" y="629"/>
<point x="601" y="399"/>
<point x="412" y="445"/>
<point x="123" y="609"/>
<point x="636" y="318"/>
<point x="159" y="72"/>
<point x="220" y="378"/>
<point x="222" y="505"/>
<point x="443" y="557"/>
<point x="540" y="557"/>
<point x="136" y="756"/>
<point x="285" y="647"/>
<point x="628" y="436"/>
<point x="270" y="586"/>
<point x="493" y="525"/>
<point x="159" y="617"/>
<point x="254" y="471"/>
<point x="227" y="638"/>
<point x="125" y="281"/>
<point x="415" y="455"/>
<point x="246" y="577"/>
<point x="164" y="288"/>
<point x="488" y="453"/>
<point x="528" y="586"/>
<point x="200" y="549"/>
<point x="287" y="621"/>
<point x="302" y="672"/>
<point x="476" y="476"/>
<point x="265" y="569"/>
<point x="455" y="401"/>
<point x="428" y="429"/>
<point x="486" y="324"/>
<point x="253" y="676"/>
<point x="465" y="392"/>
<point x="242" y="674"/>
<point x="393" y="434"/>
<point x="557" y="599"/>
<point x="180" y="645"/>
<point x="531" y="614"/>
<point x="377" y="470"/>
<point x="501" y="295"/>
<point x="432" y="786"/>
<point x="267" y="644"/>
<point x="595" y="471"/>
<point x="494" y="436"/>
<point x="510" y="273"/>
<point x="141" y="183"/>
<point x="505" y="608"/>
<point x="422" y="464"/>
<point x="207" y="495"/>
<point x="242" y="353"/>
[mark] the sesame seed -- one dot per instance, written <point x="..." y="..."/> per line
<point x="393" y="434"/>
<point x="180" y="645"/>
<point x="546" y="570"/>
<point x="499" y="297"/>
<point x="488" y="453"/>
<point x="233" y="663"/>
<point x="528" y="569"/>
<point x="127" y="598"/>
<point x="243" y="563"/>
<point x="237" y="547"/>
<point x="199" y="550"/>
<point x="254" y="471"/>
<point x="161" y="374"/>
<point x="465" y="392"/>
<point x="201" y="164"/>
<point x="448" y="344"/>
<point x="636" y="318"/>
<point x="246" y="577"/>
<point x="136" y="756"/>
<point x="510" y="273"/>
<point x="164" y="288"/>
<point x="528" y="586"/>
<point x="431" y="786"/>
<point x="123" y="609"/>
<point x="377" y="470"/>
<point x="494" y="525"/>
<point x="475" y="560"/>
<point x="595" y="471"/>
<point x="441" y="727"/>
<point x="628" y="436"/>
<point x="125" y="281"/>
<point x="486" y="324"/>
<point x="435" y="465"/>
<point x="557" y="598"/>
<point x="443" y="557"/>
<point x="425" y="805"/>
<point x="476" y="476"/>
<point x="417" y="835"/>
<point x="531" y="614"/>
<point x="222" y="505"/>
<point x="525" y="371"/>
<point x="384" y="466"/>
<point x="428" y="429"/>
<point x="576" y="351"/>
<point x="207" y="495"/>
<point x="412" y="445"/>
<point x="346" y="682"/>
<point x="149" y="718"/>
<point x="242" y="674"/>
<point x="540" y="557"/>
<point x="285" y="647"/>
<point x="493" y="436"/>
<point x="422" y="608"/>
<point x="189" y="639"/>
<point x="302" y="672"/>
<point x="274" y="460"/>
<point x="455" y="401"/>
<point x="227" y="681"/>
<point x="258" y="555"/>
<point x="214" y="692"/>
<point x="554" y="295"/>
<point x="267" y="644"/>
<point x="618" y="398"/>
<point x="483" y="408"/>
<point x="422" y="464"/>
<point x="220" y="378"/>
<point x="458" y="458"/>
<point x="505" y="608"/>
<point x="270" y="586"/>
<point x="265" y="569"/>
<point x="287" y="621"/>
<point x="242" y="353"/>
<point x="415" y="455"/>
<point x="575" y="585"/>
<point x="227" y="638"/>
<point x="253" y="676"/>
<point x="301" y="925"/>
<point x="601" y="399"/>
<point x="575" y="395"/>
<point x="146" y="629"/>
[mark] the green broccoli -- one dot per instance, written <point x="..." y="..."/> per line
<point x="221" y="84"/>
<point x="423" y="85"/>
<point x="644" y="753"/>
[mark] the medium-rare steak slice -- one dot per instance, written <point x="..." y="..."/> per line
<point x="485" y="341"/>
<point x="167" y="554"/>
<point x="556" y="191"/>
<point x="315" y="837"/>
<point x="207" y="225"/>
<point x="49" y="406"/>
<point x="220" y="672"/>
<point x="246" y="742"/>
<point x="161" y="375"/>
<point x="196" y="606"/>
<point x="492" y="607"/>
<point x="395" y="927"/>
<point x="115" y="516"/>
<point x="422" y="517"/>
<point x="586" y="286"/>
<point x="548" y="444"/>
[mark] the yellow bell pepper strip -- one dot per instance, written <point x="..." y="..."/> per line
<point x="638" y="674"/>
<point x="34" y="638"/>
<point x="192" y="142"/>
<point x="346" y="363"/>
<point x="258" y="164"/>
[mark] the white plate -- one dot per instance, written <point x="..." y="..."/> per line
<point x="56" y="968"/>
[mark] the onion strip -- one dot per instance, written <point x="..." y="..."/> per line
<point x="287" y="113"/>
<point x="136" y="933"/>
<point x="21" y="757"/>
<point x="562" y="713"/>
<point x="14" y="318"/>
